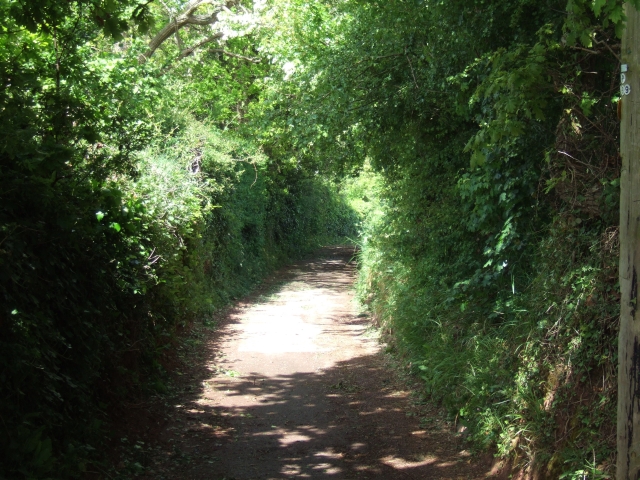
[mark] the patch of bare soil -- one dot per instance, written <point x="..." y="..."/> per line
<point x="295" y="384"/>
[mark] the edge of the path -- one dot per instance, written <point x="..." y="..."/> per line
<point x="137" y="426"/>
<point x="134" y="425"/>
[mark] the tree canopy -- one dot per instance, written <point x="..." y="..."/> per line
<point x="158" y="157"/>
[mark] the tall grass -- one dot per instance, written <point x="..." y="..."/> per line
<point x="527" y="364"/>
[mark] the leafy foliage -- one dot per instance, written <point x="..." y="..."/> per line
<point x="492" y="257"/>
<point x="122" y="219"/>
<point x="472" y="144"/>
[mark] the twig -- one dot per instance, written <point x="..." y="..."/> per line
<point x="412" y="72"/>
<point x="570" y="156"/>
<point x="166" y="7"/>
<point x="235" y="55"/>
<point x="593" y="52"/>
<point x="188" y="51"/>
<point x="255" y="179"/>
<point x="602" y="42"/>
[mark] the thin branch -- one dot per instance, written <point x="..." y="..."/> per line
<point x="592" y="52"/>
<point x="358" y="107"/>
<point x="187" y="17"/>
<point x="255" y="179"/>
<point x="236" y="55"/>
<point x="412" y="72"/>
<point x="179" y="40"/>
<point x="168" y="9"/>
<point x="608" y="48"/>
<point x="568" y="155"/>
<point x="5" y="427"/>
<point x="188" y="51"/>
<point x="57" y="50"/>
<point x="9" y="234"/>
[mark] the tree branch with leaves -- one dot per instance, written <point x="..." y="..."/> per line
<point x="190" y="17"/>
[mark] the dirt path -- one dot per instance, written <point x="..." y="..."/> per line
<point x="294" y="385"/>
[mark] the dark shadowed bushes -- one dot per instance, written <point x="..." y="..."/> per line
<point x="121" y="221"/>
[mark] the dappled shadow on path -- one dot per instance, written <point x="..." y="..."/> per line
<point x="347" y="422"/>
<point x="315" y="400"/>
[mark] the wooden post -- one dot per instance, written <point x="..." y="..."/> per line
<point x="628" y="466"/>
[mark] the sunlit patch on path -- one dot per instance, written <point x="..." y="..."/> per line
<point x="285" y="324"/>
<point x="294" y="385"/>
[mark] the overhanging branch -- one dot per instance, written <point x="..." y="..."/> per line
<point x="187" y="17"/>
<point x="236" y="55"/>
<point x="188" y="51"/>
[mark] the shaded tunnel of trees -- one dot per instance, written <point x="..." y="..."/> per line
<point x="159" y="158"/>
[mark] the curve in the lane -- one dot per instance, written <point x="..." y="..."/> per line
<point x="295" y="386"/>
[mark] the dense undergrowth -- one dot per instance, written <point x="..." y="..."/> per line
<point x="125" y="215"/>
<point x="489" y="139"/>
<point x="141" y="189"/>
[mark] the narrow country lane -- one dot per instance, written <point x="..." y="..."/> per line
<point x="294" y="385"/>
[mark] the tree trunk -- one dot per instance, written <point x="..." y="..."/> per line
<point x="628" y="466"/>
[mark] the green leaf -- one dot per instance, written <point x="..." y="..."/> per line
<point x="478" y="159"/>
<point x="616" y="14"/>
<point x="116" y="226"/>
<point x="597" y="6"/>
